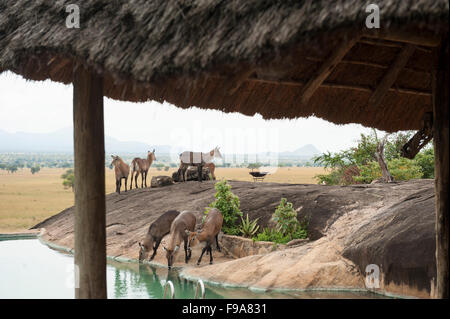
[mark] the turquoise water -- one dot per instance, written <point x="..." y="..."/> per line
<point x="29" y="270"/>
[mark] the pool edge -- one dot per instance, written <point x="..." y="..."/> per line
<point x="229" y="285"/>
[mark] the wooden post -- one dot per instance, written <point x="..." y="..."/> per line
<point x="89" y="144"/>
<point x="440" y="82"/>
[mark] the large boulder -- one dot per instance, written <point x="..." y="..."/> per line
<point x="192" y="174"/>
<point x="401" y="241"/>
<point x="159" y="181"/>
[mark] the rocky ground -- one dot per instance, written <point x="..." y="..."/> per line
<point x="391" y="225"/>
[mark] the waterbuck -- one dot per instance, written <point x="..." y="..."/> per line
<point x="184" y="221"/>
<point x="157" y="230"/>
<point x="121" y="169"/>
<point x="140" y="165"/>
<point x="210" y="230"/>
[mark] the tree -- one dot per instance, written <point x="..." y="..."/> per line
<point x="68" y="179"/>
<point x="11" y="168"/>
<point x="379" y="155"/>
<point x="35" y="169"/>
<point x="359" y="164"/>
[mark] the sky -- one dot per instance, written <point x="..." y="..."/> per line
<point x="45" y="106"/>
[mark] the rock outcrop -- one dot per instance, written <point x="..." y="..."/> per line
<point x="192" y="174"/>
<point x="391" y="225"/>
<point x="160" y="181"/>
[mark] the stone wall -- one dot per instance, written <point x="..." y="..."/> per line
<point x="238" y="247"/>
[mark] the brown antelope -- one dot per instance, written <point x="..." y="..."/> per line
<point x="157" y="230"/>
<point x="198" y="159"/>
<point x="121" y="169"/>
<point x="184" y="221"/>
<point x="142" y="166"/>
<point x="210" y="231"/>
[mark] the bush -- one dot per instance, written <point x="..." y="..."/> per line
<point x="272" y="235"/>
<point x="425" y="160"/>
<point x="277" y="237"/>
<point x="286" y="218"/>
<point x="68" y="179"/>
<point x="248" y="228"/>
<point x="400" y="168"/>
<point x="228" y="204"/>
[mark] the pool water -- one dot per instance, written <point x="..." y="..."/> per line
<point x="30" y="270"/>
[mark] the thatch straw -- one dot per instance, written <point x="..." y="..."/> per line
<point x="249" y="56"/>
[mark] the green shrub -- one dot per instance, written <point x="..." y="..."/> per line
<point x="248" y="228"/>
<point x="285" y="217"/>
<point x="425" y="160"/>
<point x="287" y="225"/>
<point x="403" y="169"/>
<point x="228" y="204"/>
<point x="400" y="168"/>
<point x="270" y="234"/>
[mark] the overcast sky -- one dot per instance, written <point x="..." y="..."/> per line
<point x="47" y="106"/>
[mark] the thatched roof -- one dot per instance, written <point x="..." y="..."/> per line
<point x="251" y="56"/>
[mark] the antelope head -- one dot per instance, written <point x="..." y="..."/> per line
<point x="217" y="153"/>
<point x="115" y="160"/>
<point x="170" y="254"/>
<point x="143" y="251"/>
<point x="151" y="155"/>
<point x="192" y="238"/>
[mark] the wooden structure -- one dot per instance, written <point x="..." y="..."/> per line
<point x="279" y="59"/>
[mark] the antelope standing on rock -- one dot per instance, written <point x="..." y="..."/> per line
<point x="121" y="169"/>
<point x="140" y="165"/>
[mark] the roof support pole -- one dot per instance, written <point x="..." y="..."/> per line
<point x="89" y="144"/>
<point x="440" y="83"/>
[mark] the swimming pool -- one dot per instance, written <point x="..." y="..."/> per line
<point x="29" y="270"/>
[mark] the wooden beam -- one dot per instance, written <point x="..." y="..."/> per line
<point x="239" y="78"/>
<point x="420" y="139"/>
<point x="89" y="151"/>
<point x="425" y="39"/>
<point x="391" y="75"/>
<point x="390" y="44"/>
<point x="326" y="68"/>
<point x="440" y="84"/>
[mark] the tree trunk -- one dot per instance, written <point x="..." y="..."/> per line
<point x="379" y="155"/>
<point x="440" y="83"/>
<point x="90" y="233"/>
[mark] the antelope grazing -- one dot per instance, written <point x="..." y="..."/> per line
<point x="121" y="169"/>
<point x="140" y="165"/>
<point x="198" y="159"/>
<point x="210" y="231"/>
<point x="157" y="230"/>
<point x="184" y="221"/>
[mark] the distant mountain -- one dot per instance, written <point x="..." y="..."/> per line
<point x="307" y="151"/>
<point x="62" y="141"/>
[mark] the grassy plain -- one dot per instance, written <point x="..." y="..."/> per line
<point x="27" y="199"/>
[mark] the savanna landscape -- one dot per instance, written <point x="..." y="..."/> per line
<point x="26" y="198"/>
